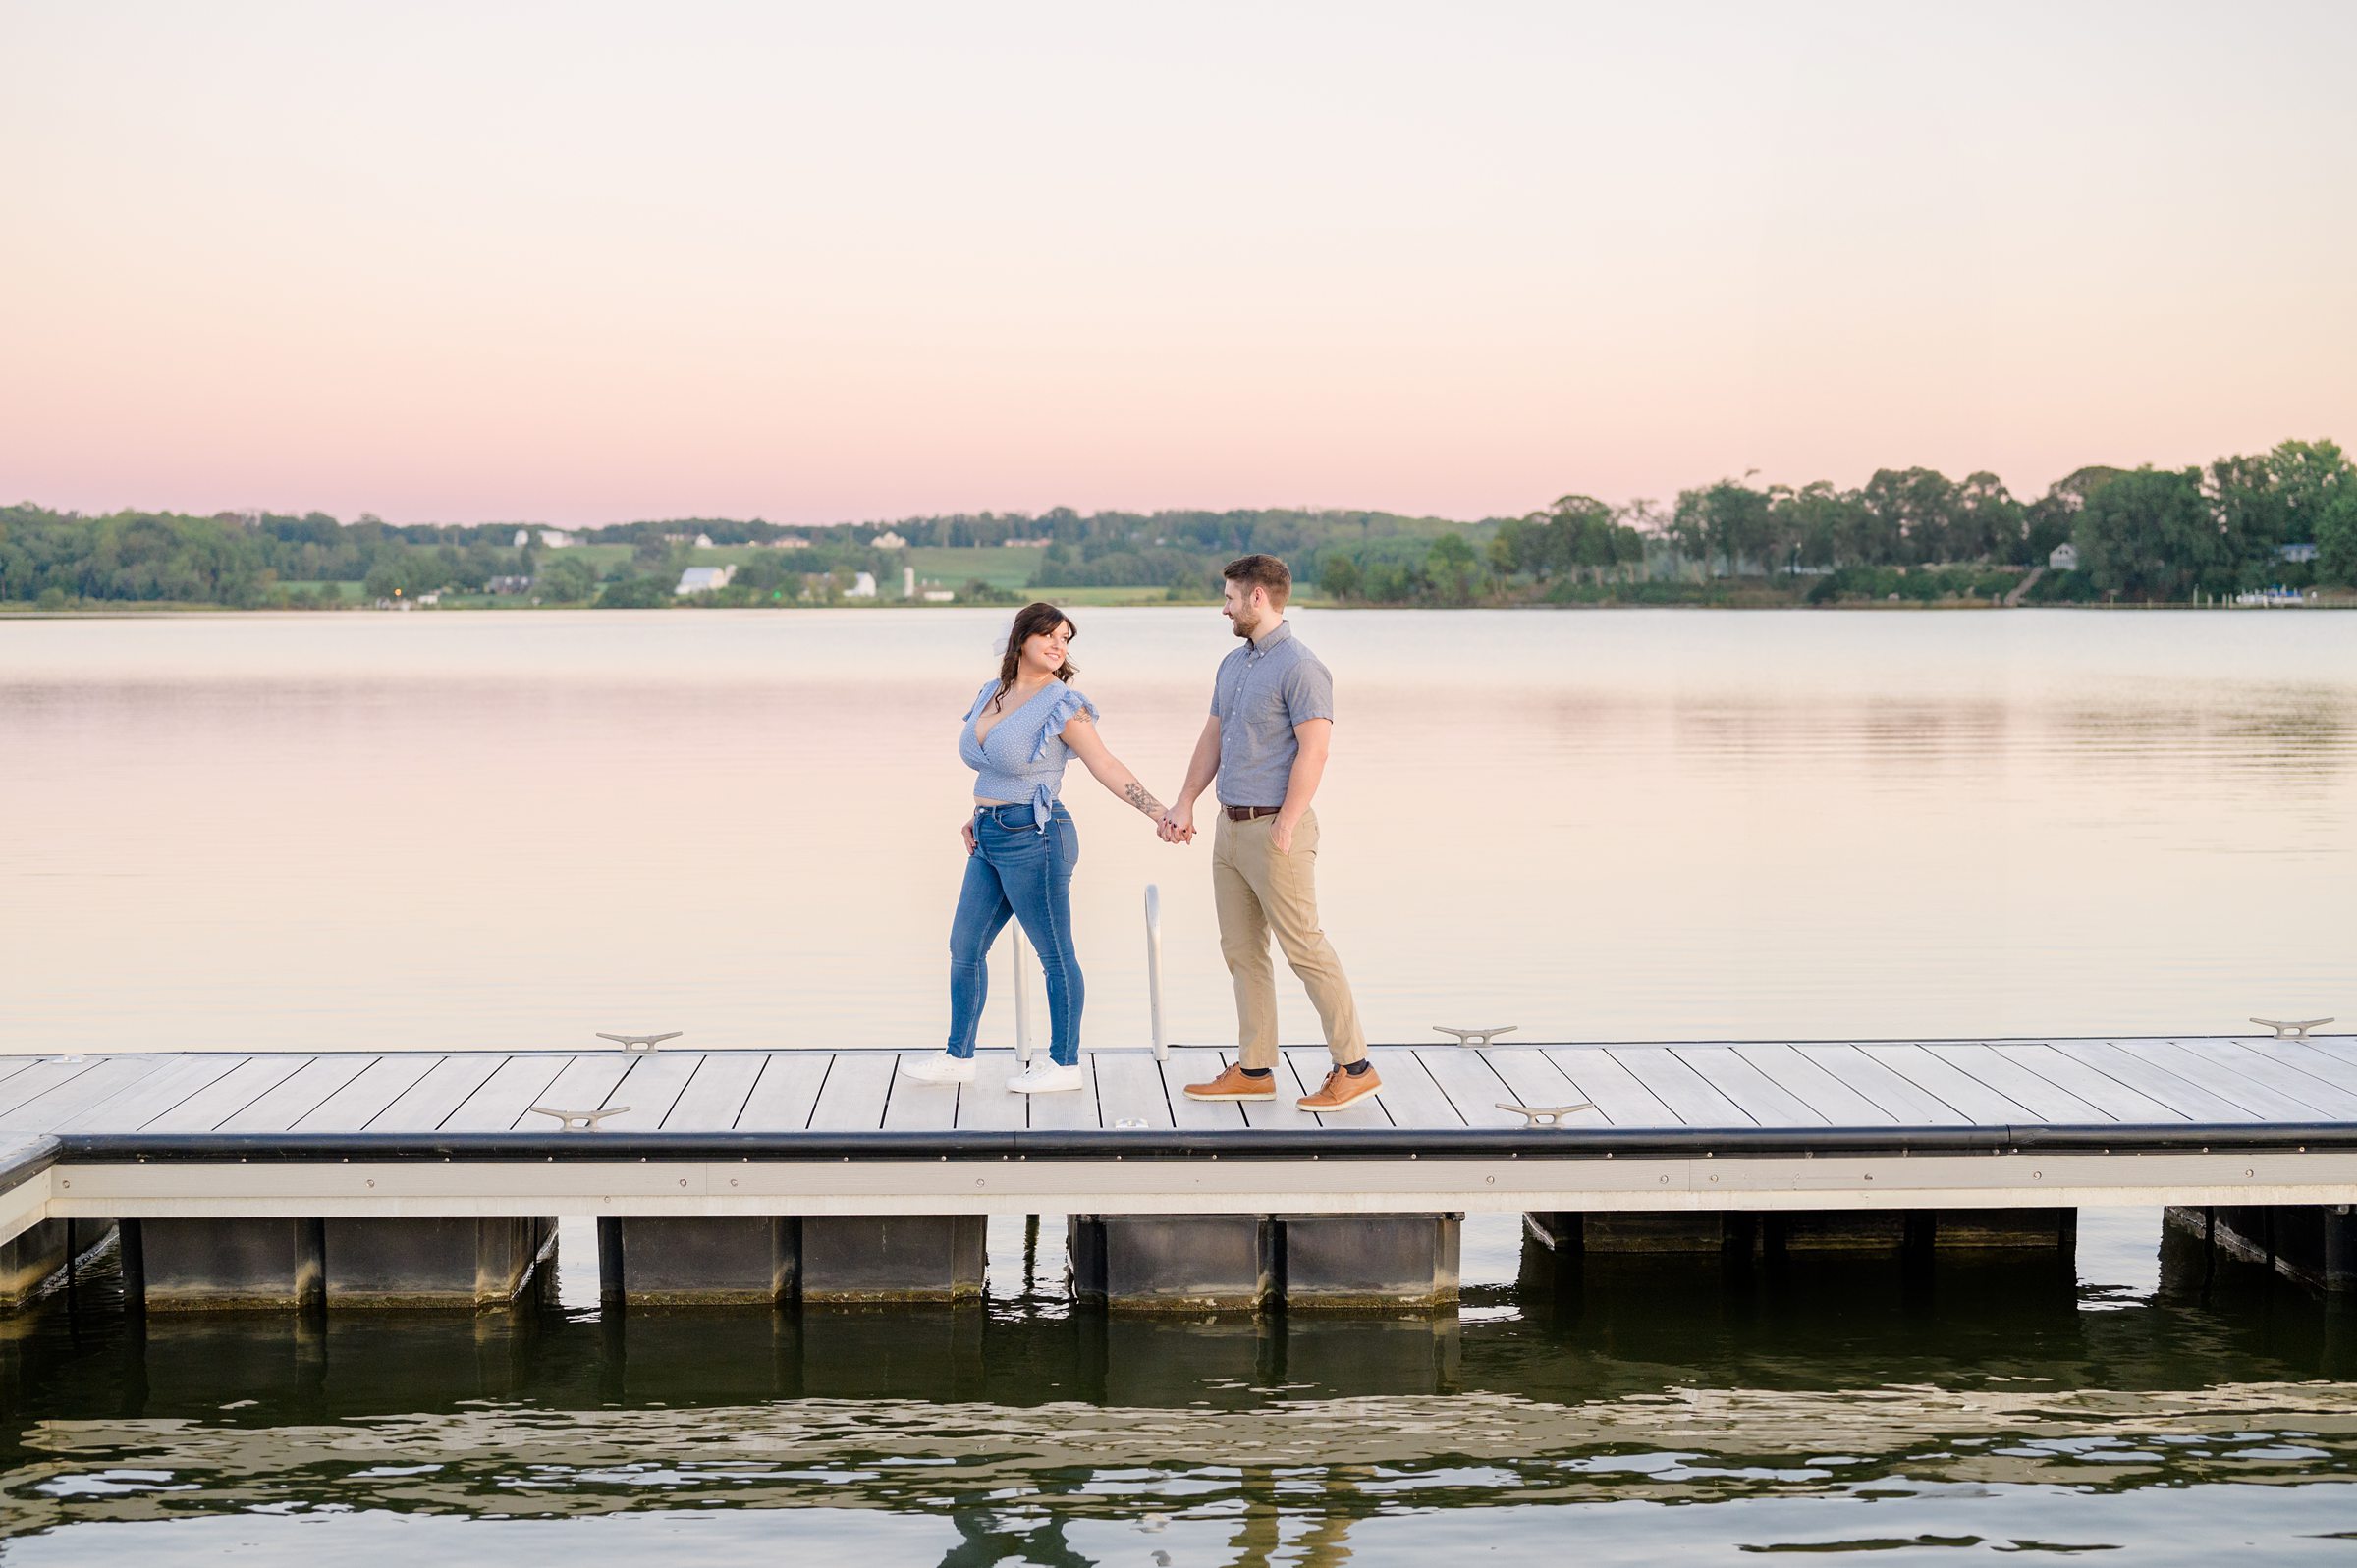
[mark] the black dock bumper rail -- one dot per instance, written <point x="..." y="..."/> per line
<point x="1166" y="1144"/>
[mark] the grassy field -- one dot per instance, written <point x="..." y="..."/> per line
<point x="995" y="565"/>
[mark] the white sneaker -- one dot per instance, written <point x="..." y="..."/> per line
<point x="944" y="1068"/>
<point x="1045" y="1079"/>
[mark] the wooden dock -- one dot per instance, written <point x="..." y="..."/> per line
<point x="1722" y="1126"/>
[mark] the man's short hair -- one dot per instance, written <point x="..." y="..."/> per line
<point x="1265" y="573"/>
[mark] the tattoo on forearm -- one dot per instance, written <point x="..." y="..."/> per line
<point x="1136" y="795"/>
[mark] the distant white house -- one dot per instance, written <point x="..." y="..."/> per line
<point x="703" y="579"/>
<point x="1031" y="544"/>
<point x="790" y="541"/>
<point x="2298" y="551"/>
<point x="863" y="586"/>
<point x="939" y="596"/>
<point x="888" y="540"/>
<point x="555" y="539"/>
<point x="2064" y="557"/>
<point x="524" y="536"/>
<point x="703" y="541"/>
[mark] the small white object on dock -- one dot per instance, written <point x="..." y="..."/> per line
<point x="2292" y="1028"/>
<point x="1476" y="1037"/>
<point x="1545" y="1115"/>
<point x="640" y="1042"/>
<point x="580" y="1120"/>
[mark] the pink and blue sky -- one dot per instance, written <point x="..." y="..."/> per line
<point x="586" y="262"/>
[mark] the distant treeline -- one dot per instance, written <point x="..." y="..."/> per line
<point x="2284" y="516"/>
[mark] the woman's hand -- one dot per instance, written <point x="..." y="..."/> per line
<point x="965" y="830"/>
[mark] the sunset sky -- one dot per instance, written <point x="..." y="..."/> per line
<point x="582" y="262"/>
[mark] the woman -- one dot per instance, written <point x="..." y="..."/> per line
<point x="1021" y="844"/>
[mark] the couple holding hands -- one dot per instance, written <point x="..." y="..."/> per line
<point x="1272" y="720"/>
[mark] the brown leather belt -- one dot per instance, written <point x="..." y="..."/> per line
<point x="1247" y="813"/>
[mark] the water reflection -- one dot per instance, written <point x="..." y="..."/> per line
<point x="1625" y="1379"/>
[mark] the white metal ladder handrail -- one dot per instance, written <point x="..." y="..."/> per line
<point x="1022" y="981"/>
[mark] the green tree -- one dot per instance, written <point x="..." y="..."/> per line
<point x="567" y="579"/>
<point x="1338" y="574"/>
<point x="1454" y="565"/>
<point x="2152" y="534"/>
<point x="2336" y="538"/>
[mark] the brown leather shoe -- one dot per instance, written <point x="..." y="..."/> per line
<point x="1342" y="1089"/>
<point x="1233" y="1084"/>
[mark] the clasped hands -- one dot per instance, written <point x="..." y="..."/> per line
<point x="1176" y="824"/>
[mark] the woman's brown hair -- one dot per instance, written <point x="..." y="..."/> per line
<point x="1029" y="621"/>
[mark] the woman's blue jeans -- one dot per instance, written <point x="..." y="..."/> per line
<point x="1018" y="870"/>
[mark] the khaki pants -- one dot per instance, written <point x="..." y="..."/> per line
<point x="1256" y="891"/>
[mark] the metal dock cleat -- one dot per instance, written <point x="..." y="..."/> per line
<point x="580" y="1120"/>
<point x="1476" y="1037"/>
<point x="1545" y="1115"/>
<point x="2291" y="1028"/>
<point x="640" y="1042"/>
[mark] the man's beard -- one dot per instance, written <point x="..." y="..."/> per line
<point x="1243" y="624"/>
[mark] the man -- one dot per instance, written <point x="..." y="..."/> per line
<point x="1272" y="721"/>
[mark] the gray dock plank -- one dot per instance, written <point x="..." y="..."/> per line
<point x="914" y="1106"/>
<point x="227" y="1095"/>
<point x="371" y="1094"/>
<point x="2001" y="1071"/>
<point x="854" y="1094"/>
<point x="41" y="1077"/>
<point x="588" y="1083"/>
<point x="2227" y="1081"/>
<point x="985" y="1105"/>
<point x="2314" y="1099"/>
<point x="10" y="1066"/>
<point x="1974" y="1099"/>
<point x="154" y="1094"/>
<point x="1837" y="1102"/>
<point x="299" y="1094"/>
<point x="107" y="1077"/>
<point x="1197" y="1065"/>
<point x="2189" y="1100"/>
<point x="1474" y="1088"/>
<point x="1592" y="1074"/>
<point x="1068" y="1109"/>
<point x="651" y="1087"/>
<point x="1410" y="1093"/>
<point x="1688" y="1095"/>
<point x="1908" y="1104"/>
<point x="515" y="1086"/>
<point x="787" y="1091"/>
<point x="1130" y="1088"/>
<point x="2302" y="1058"/>
<point x="715" y="1097"/>
<point x="2117" y="1100"/>
<point x="432" y="1100"/>
<point x="1754" y="1092"/>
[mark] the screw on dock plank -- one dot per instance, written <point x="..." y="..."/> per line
<point x="580" y="1120"/>
<point x="2292" y="1028"/>
<point x="1545" y="1115"/>
<point x="1476" y="1037"/>
<point x="640" y="1042"/>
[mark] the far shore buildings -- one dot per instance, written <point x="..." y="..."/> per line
<point x="2064" y="557"/>
<point x="863" y="586"/>
<point x="888" y="540"/>
<point x="550" y="538"/>
<point x="704" y="580"/>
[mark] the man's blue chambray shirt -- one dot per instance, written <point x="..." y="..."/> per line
<point x="1262" y="690"/>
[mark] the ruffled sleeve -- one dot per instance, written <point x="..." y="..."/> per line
<point x="1068" y="703"/>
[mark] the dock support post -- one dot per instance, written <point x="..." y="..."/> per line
<point x="705" y="1260"/>
<point x="1361" y="1261"/>
<point x="750" y="1260"/>
<point x="32" y="1260"/>
<point x="1173" y="1263"/>
<point x="2314" y="1244"/>
<point x="432" y="1262"/>
<point x="200" y="1264"/>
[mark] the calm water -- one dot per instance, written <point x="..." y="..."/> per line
<point x="388" y="832"/>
